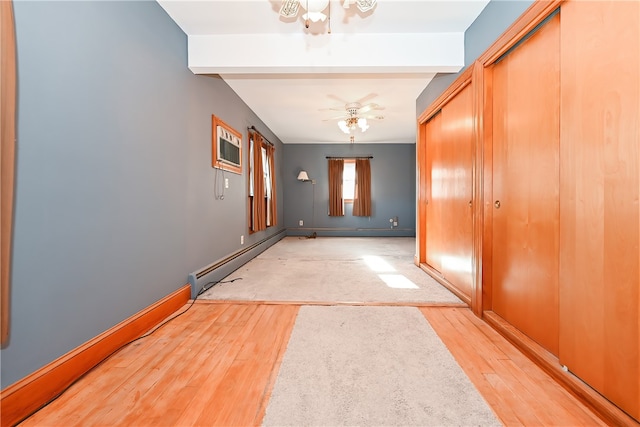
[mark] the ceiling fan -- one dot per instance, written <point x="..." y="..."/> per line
<point x="355" y="116"/>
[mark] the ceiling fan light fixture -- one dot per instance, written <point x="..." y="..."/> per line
<point x="315" y="9"/>
<point x="314" y="16"/>
<point x="362" y="124"/>
<point x="342" y="124"/>
<point x="356" y="117"/>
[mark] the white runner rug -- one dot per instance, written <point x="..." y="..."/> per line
<point x="371" y="366"/>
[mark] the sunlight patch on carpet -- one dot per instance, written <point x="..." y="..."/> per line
<point x="397" y="281"/>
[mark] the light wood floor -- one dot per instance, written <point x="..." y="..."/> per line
<point x="217" y="363"/>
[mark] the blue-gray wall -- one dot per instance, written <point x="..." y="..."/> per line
<point x="496" y="17"/>
<point x="393" y="190"/>
<point x="115" y="191"/>
<point x="115" y="194"/>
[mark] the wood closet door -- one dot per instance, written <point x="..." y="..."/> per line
<point x="457" y="191"/>
<point x="526" y="184"/>
<point x="423" y="195"/>
<point x="600" y="216"/>
<point x="434" y="207"/>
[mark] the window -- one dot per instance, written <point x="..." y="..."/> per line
<point x="349" y="180"/>
<point x="262" y="185"/>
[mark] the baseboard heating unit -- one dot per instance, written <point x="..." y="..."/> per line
<point x="223" y="267"/>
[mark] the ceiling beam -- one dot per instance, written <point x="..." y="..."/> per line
<point x="331" y="53"/>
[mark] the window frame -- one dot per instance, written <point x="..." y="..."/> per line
<point x="352" y="163"/>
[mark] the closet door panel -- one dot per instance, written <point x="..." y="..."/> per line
<point x="423" y="182"/>
<point x="526" y="186"/>
<point x="434" y="198"/>
<point x="600" y="216"/>
<point x="457" y="137"/>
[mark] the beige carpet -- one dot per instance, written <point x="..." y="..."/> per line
<point x="371" y="366"/>
<point x="341" y="269"/>
<point x="358" y="365"/>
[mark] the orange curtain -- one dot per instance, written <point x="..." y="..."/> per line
<point x="273" y="204"/>
<point x="336" y="203"/>
<point x="258" y="207"/>
<point x="362" y="193"/>
<point x="7" y="156"/>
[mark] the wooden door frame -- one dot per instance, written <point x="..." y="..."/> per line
<point x="8" y="107"/>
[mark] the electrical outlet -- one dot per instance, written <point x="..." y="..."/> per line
<point x="242" y="240"/>
<point x="301" y="223"/>
<point x="226" y="183"/>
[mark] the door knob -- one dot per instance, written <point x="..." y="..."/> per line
<point x="497" y="204"/>
<point x="470" y="203"/>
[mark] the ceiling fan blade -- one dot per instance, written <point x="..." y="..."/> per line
<point x="337" y="98"/>
<point x="372" y="117"/>
<point x="370" y="107"/>
<point x="331" y="109"/>
<point x="367" y="98"/>
<point x="335" y="118"/>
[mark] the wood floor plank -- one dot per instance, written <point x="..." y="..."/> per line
<point x="553" y="405"/>
<point x="518" y="391"/>
<point x="544" y="388"/>
<point x="243" y="370"/>
<point x="467" y="326"/>
<point x="213" y="393"/>
<point x="163" y="393"/>
<point x="207" y="380"/>
<point x="215" y="329"/>
<point x="258" y="388"/>
<point x="217" y="364"/>
<point x="527" y="405"/>
<point x="459" y="343"/>
<point x="249" y="375"/>
<point x="151" y="369"/>
<point x="79" y="400"/>
<point x="507" y="404"/>
<point x="283" y="335"/>
<point x="480" y="370"/>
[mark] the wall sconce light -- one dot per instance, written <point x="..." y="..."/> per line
<point x="302" y="176"/>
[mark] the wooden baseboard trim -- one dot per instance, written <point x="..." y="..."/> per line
<point x="340" y="303"/>
<point x="438" y="278"/>
<point x="23" y="398"/>
<point x="602" y="407"/>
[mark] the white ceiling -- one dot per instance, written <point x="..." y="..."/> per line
<point x="289" y="75"/>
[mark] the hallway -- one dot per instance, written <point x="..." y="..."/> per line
<point x="220" y="362"/>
